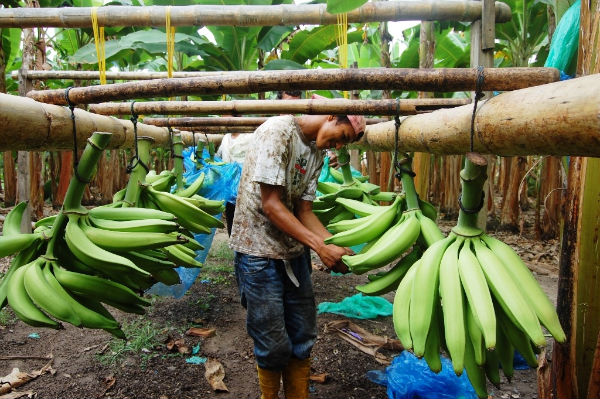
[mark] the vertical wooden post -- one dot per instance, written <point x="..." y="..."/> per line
<point x="574" y="370"/>
<point x="422" y="160"/>
<point x="355" y="154"/>
<point x="482" y="54"/>
<point x="386" y="179"/>
<point x="23" y="177"/>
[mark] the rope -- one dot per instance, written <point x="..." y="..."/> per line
<point x="74" y="130"/>
<point x="342" y="42"/>
<point x="100" y="45"/>
<point x="478" y="96"/>
<point x="399" y="165"/>
<point x="471" y="211"/>
<point x="136" y="156"/>
<point x="170" y="31"/>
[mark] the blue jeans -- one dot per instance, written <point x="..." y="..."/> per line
<point x="281" y="318"/>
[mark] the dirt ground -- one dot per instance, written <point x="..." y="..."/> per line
<point x="90" y="364"/>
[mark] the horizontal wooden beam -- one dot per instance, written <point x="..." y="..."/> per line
<point x="439" y="79"/>
<point x="246" y="15"/>
<point x="239" y="107"/>
<point x="110" y="75"/>
<point x="221" y="124"/>
<point x="33" y="126"/>
<point x="561" y="118"/>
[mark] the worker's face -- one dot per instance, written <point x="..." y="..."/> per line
<point x="334" y="134"/>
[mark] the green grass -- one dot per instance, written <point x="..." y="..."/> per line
<point x="221" y="250"/>
<point x="6" y="317"/>
<point x="204" y="302"/>
<point x="141" y="335"/>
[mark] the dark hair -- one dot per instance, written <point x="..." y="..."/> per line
<point x="293" y="93"/>
<point x="344" y="119"/>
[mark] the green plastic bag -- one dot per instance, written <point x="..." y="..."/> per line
<point x="565" y="41"/>
<point x="358" y="307"/>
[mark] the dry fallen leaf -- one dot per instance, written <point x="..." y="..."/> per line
<point x="214" y="374"/>
<point x="201" y="332"/>
<point x="320" y="378"/>
<point x="16" y="395"/>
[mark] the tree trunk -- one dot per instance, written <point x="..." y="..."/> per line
<point x="66" y="171"/>
<point x="36" y="185"/>
<point x="509" y="216"/>
<point x="550" y="196"/>
<point x="10" y="179"/>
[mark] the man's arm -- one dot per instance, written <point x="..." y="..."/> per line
<point x="287" y="222"/>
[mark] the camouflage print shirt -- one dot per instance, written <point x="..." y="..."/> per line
<point x="281" y="156"/>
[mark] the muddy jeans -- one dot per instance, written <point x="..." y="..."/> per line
<point x="281" y="318"/>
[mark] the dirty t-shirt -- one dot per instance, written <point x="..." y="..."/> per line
<point x="280" y="156"/>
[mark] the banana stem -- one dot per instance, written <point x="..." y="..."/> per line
<point x="138" y="174"/>
<point x="85" y="171"/>
<point x="344" y="160"/>
<point x="472" y="177"/>
<point x="408" y="184"/>
<point x="178" y="161"/>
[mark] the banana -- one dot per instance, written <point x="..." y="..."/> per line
<point x="147" y="225"/>
<point x="123" y="241"/>
<point x="192" y="188"/>
<point x="367" y="231"/>
<point x="180" y="258"/>
<point x="45" y="297"/>
<point x="193" y="245"/>
<point x="432" y="345"/>
<point x="475" y="337"/>
<point x="517" y="338"/>
<point x="22" y="258"/>
<point x="386" y="196"/>
<point x="388" y="247"/>
<point x="326" y="215"/>
<point x="182" y="209"/>
<point x="14" y="243"/>
<point x="149" y="262"/>
<point x="478" y="294"/>
<point x="429" y="230"/>
<point x="12" y="223"/>
<point x="89" y="318"/>
<point x="100" y="309"/>
<point x="453" y="306"/>
<point x="210" y="206"/>
<point x="328" y="188"/>
<point x="345" y="225"/>
<point x="123" y="214"/>
<point x="492" y="371"/>
<point x="95" y="257"/>
<point x="507" y="292"/>
<point x="151" y="176"/>
<point x="163" y="183"/>
<point x="530" y="288"/>
<point x="425" y="294"/>
<point x="389" y="281"/>
<point x="185" y="250"/>
<point x="428" y="209"/>
<point x="401" y="309"/>
<point x="475" y="373"/>
<point x="119" y="195"/>
<point x="47" y="221"/>
<point x="319" y="205"/>
<point x="98" y="288"/>
<point x="21" y="303"/>
<point x="506" y="352"/>
<point x="359" y="208"/>
<point x="342" y="216"/>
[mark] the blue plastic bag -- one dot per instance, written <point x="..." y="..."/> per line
<point x="358" y="307"/>
<point x="410" y="378"/>
<point x="220" y="183"/>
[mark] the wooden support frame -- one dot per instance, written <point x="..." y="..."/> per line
<point x="240" y="107"/>
<point x="33" y="74"/>
<point x="559" y="118"/>
<point x="231" y="123"/>
<point x="441" y="79"/>
<point x="246" y="15"/>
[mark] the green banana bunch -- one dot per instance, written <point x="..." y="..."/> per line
<point x="78" y="260"/>
<point x="472" y="296"/>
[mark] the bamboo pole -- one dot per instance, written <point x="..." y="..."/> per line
<point x="30" y="125"/>
<point x="246" y="15"/>
<point x="442" y="79"/>
<point x="229" y="122"/>
<point x="555" y="119"/>
<point x="239" y="107"/>
<point x="33" y="74"/>
<point x="558" y="119"/>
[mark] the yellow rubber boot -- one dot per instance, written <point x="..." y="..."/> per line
<point x="296" y="376"/>
<point x="269" y="381"/>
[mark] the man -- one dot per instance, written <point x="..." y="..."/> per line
<point x="272" y="225"/>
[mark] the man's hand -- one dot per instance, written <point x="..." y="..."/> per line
<point x="333" y="160"/>
<point x="331" y="256"/>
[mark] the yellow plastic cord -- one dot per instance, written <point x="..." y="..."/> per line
<point x="100" y="47"/>
<point x="342" y="41"/>
<point x="170" y="30"/>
